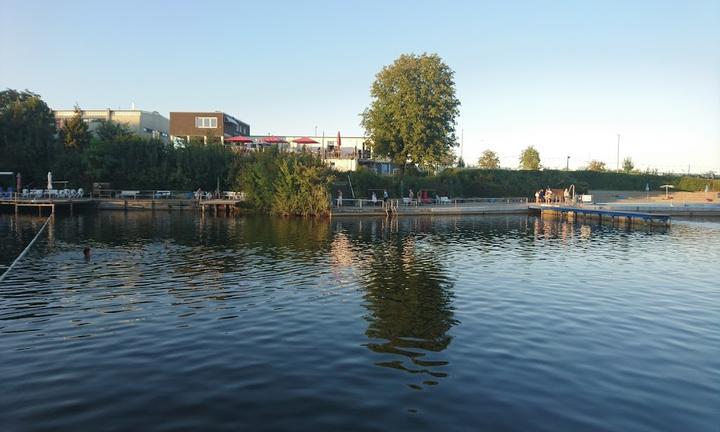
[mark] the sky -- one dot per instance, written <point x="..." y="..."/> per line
<point x="564" y="76"/>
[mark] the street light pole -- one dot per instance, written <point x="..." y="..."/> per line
<point x="567" y="164"/>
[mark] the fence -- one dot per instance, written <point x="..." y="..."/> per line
<point x="166" y="194"/>
<point x="416" y="202"/>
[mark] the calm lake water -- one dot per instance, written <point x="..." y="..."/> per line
<point x="506" y="323"/>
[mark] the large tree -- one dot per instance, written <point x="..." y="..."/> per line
<point x="27" y="135"/>
<point x="75" y="133"/>
<point x="489" y="160"/>
<point x="530" y="159"/>
<point x="411" y="118"/>
<point x="74" y="140"/>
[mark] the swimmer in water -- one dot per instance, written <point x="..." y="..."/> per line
<point x="86" y="253"/>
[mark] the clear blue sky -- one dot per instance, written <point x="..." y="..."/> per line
<point x="564" y="76"/>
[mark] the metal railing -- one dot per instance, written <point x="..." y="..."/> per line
<point x="45" y="194"/>
<point x="416" y="202"/>
<point x="156" y="194"/>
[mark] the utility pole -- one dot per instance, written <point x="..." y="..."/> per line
<point x="618" y="153"/>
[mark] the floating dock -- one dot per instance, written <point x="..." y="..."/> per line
<point x="612" y="216"/>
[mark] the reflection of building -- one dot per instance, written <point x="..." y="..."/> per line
<point x="187" y="125"/>
<point x="143" y="123"/>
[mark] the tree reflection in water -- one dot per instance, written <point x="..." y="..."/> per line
<point x="409" y="302"/>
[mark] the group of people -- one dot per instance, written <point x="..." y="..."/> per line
<point x="548" y="196"/>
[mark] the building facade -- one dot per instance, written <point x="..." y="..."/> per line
<point x="186" y="125"/>
<point x="142" y="123"/>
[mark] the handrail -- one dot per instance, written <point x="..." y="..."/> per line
<point x="164" y="194"/>
<point x="439" y="201"/>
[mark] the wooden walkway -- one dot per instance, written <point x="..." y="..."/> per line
<point x="46" y="203"/>
<point x="432" y="210"/>
<point x="614" y="216"/>
<point x="219" y="205"/>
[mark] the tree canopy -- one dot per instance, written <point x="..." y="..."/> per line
<point x="628" y="165"/>
<point x="489" y="160"/>
<point x="530" y="159"/>
<point x="27" y="135"/>
<point x="411" y="118"/>
<point x="596" y="165"/>
<point x="74" y="132"/>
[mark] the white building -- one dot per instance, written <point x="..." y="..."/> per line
<point x="146" y="124"/>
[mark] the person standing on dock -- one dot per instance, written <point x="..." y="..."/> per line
<point x="411" y="195"/>
<point x="537" y="197"/>
<point x="566" y="196"/>
<point x="339" y="198"/>
<point x="385" y="196"/>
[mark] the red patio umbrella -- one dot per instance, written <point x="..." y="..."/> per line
<point x="239" y="139"/>
<point x="304" y="141"/>
<point x="274" y="140"/>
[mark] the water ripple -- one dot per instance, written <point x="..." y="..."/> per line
<point x="443" y="323"/>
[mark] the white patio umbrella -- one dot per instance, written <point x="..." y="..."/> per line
<point x="667" y="187"/>
<point x="49" y="185"/>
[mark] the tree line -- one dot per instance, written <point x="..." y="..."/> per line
<point x="530" y="160"/>
<point x="31" y="143"/>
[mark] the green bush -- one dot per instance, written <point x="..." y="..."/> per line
<point x="285" y="184"/>
<point x="504" y="183"/>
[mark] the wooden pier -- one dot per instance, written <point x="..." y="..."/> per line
<point x="218" y="206"/>
<point x="46" y="203"/>
<point x="613" y="216"/>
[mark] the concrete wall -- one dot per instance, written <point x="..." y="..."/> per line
<point x="342" y="164"/>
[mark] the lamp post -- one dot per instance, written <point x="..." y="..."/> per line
<point x="567" y="164"/>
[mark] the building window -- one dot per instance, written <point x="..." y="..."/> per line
<point x="206" y="122"/>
